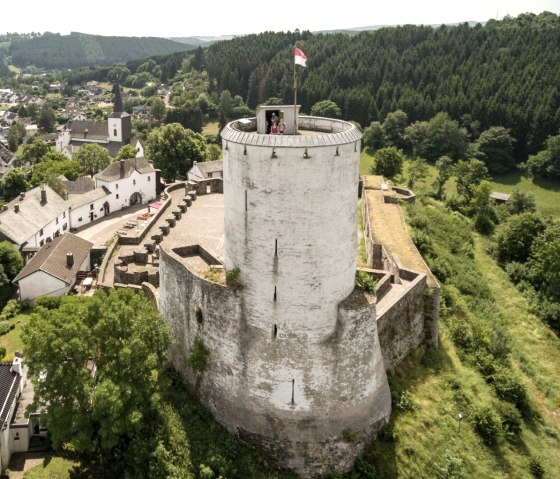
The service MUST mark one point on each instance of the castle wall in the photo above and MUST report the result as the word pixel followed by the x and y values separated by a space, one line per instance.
pixel 338 384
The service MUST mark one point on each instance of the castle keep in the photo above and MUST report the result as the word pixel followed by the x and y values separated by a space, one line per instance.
pixel 297 354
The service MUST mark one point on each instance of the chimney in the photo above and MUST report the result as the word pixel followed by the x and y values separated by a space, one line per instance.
pixel 17 366
pixel 5 208
pixel 122 168
pixel 16 208
pixel 69 260
pixel 43 196
pixel 22 195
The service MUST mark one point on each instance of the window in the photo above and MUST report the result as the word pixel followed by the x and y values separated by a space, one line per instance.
pixel 91 206
pixel 80 218
pixel 117 196
pixel 64 214
pixel 64 226
pixel 41 232
pixel 149 178
pixel 116 186
pixel 57 220
pixel 134 182
pixel 115 132
pixel 41 243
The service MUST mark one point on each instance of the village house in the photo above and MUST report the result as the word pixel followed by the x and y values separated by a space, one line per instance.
pixel 53 271
pixel 206 169
pixel 6 162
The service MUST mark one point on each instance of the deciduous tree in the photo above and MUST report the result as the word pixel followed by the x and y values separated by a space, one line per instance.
pixel 388 162
pixel 326 108
pixel 92 158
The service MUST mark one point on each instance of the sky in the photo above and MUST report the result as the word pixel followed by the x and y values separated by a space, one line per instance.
pixel 185 18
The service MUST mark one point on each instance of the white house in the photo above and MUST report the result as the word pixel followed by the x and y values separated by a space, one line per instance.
pixel 53 271
pixel 130 182
pixel 89 206
pixel 19 433
pixel 34 218
pixel 206 169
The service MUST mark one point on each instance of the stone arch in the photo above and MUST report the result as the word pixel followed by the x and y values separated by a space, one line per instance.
pixel 135 198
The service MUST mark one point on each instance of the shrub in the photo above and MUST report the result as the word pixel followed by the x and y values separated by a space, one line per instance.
pixel 422 242
pixel 450 467
pixel 12 308
pixel 198 358
pixel 350 436
pixel 5 327
pixel 364 470
pixel 536 468
pixel 509 387
pixel 232 278
pixel 49 302
pixel 487 424
pixel 2 353
pixel 365 281
pixel 511 421
pixel 402 401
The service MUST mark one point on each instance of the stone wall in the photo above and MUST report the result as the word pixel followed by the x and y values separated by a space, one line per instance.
pixel 401 323
pixel 322 388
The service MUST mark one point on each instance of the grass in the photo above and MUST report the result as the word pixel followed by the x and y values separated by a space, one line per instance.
pixel 54 95
pixel 53 467
pixel 211 128
pixel 12 341
pixel 14 69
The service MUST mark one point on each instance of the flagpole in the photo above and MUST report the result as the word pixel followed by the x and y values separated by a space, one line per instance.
pixel 295 94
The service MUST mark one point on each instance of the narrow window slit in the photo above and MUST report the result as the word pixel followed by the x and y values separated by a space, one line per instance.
pixel 276 247
pixel 274 331
pixel 245 200
pixel 274 293
pixel 293 387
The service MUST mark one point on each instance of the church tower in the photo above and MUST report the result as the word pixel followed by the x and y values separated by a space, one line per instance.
pixel 119 122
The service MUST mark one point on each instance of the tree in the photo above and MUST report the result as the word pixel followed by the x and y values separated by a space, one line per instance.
pixel 481 208
pixel 158 107
pixel 95 367
pixel 173 148
pixel 15 136
pixel 520 202
pixel 394 126
pixel 326 108
pixel 416 135
pixel 374 136
pixel 388 162
pixel 31 153
pixel 47 119
pixel 469 175
pixel 546 163
pixel 444 137
pixel 188 115
pixel 11 263
pixel 15 182
pixel 92 158
pixel 126 152
pixel 514 237
pixel 417 171
pixel 495 147
pixel 68 168
pixel 444 166
pixel 214 152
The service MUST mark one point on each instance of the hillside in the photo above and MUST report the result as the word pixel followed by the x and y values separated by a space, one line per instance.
pixel 52 50
pixel 501 73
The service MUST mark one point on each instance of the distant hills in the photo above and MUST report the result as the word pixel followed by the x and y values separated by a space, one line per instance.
pixel 354 30
pixel 54 51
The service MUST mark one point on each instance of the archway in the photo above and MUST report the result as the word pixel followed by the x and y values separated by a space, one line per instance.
pixel 135 199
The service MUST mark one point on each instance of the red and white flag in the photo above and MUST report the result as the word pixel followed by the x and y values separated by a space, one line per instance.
pixel 300 58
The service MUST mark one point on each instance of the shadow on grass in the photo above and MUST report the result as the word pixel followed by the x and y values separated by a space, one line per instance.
pixel 511 179
pixel 547 184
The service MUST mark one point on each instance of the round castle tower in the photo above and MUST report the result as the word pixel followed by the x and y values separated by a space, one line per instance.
pixel 295 362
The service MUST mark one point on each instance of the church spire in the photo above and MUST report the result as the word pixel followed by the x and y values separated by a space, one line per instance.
pixel 118 106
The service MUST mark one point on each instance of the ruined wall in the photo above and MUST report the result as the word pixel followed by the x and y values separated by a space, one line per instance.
pixel 339 384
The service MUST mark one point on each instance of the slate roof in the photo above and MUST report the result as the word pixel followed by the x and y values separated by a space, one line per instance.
pixel 51 258
pixel 9 386
pixel 89 130
pixel 32 216
pixel 89 197
pixel 112 147
pixel 82 185
pixel 5 155
pixel 114 172
pixel 207 167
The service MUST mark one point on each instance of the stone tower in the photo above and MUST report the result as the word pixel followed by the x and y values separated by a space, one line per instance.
pixel 295 361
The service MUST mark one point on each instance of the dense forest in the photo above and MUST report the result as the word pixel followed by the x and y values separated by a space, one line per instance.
pixel 503 73
pixel 53 50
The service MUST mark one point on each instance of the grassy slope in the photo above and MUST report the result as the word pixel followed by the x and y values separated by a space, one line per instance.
pixel 12 341
pixel 53 467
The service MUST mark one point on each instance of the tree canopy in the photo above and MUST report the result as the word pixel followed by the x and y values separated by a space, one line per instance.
pixel 173 148
pixel 11 263
pixel 388 162
pixel 92 158
pixel 96 367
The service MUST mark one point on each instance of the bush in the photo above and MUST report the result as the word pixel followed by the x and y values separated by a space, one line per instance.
pixel 365 281
pixel 12 309
pixel 450 467
pixel 508 386
pixel 487 424
pixel 5 327
pixel 350 436
pixel 198 358
pixel 232 278
pixel 422 242
pixel 511 421
pixel 2 353
pixel 536 468
pixel 402 401
pixel 49 302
